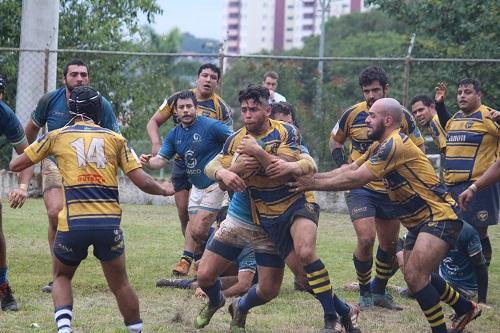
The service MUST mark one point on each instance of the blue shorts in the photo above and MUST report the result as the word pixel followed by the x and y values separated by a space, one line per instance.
pixel 363 202
pixel 483 210
pixel 278 228
pixel 446 230
pixel 234 237
pixel 71 247
pixel 180 178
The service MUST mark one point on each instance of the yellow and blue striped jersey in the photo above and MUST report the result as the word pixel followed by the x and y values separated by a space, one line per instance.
pixel 438 134
pixel 269 197
pixel 472 145
pixel 213 107
pixel 88 157
pixel 352 126
pixel 411 181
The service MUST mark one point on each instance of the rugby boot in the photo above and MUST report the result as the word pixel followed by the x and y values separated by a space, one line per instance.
pixel 182 268
pixel 458 323
pixel 386 301
pixel 332 325
pixel 175 283
pixel 207 312
pixel 350 320
pixel 7 300
pixel 47 288
pixel 366 302
pixel 238 318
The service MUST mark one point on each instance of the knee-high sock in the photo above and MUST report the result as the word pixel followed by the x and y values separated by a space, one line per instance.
pixel 428 299
pixel 384 271
pixel 214 293
pixel 341 307
pixel 63 316
pixel 364 273
pixel 449 295
pixel 487 251
pixel 319 281
pixel 250 300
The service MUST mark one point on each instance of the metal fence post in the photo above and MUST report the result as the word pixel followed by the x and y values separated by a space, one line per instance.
pixel 46 71
pixel 406 82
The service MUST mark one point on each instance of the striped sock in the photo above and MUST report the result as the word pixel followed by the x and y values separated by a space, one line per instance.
pixel 135 327
pixel 188 256
pixel 428 299
pixel 319 281
pixel 250 300
pixel 449 295
pixel 63 316
pixel 364 273
pixel 384 271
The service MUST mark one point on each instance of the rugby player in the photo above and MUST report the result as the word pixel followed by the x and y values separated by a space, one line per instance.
pixel 209 105
pixel 52 110
pixel 88 157
pixel 371 211
pixel 13 131
pixel 423 206
pixel 196 141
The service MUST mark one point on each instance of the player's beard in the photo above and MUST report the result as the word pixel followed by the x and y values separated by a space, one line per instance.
pixel 377 131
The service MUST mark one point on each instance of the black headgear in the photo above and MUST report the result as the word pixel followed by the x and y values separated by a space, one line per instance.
pixel 86 101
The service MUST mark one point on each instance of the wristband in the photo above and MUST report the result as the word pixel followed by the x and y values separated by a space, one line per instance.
pixel 473 188
pixel 23 187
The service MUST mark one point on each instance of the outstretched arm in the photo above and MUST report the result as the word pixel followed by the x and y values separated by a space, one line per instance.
pixel 147 184
pixel 153 128
pixel 342 181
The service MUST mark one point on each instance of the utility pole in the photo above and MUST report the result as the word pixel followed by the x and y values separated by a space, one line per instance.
pixel 324 8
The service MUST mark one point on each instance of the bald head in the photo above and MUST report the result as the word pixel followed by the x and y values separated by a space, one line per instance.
pixel 388 107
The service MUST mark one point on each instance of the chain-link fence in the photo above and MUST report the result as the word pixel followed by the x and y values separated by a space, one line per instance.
pixel 137 83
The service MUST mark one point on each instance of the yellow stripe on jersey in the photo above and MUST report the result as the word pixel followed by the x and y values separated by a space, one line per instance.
pixel 88 157
pixel 438 134
pixel 352 126
pixel 410 180
pixel 472 145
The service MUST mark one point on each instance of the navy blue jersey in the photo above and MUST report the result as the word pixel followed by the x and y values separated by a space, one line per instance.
pixel 197 145
pixel 10 125
pixel 52 109
pixel 457 267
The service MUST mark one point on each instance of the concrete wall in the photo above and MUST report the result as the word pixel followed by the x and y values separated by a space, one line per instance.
pixel 129 193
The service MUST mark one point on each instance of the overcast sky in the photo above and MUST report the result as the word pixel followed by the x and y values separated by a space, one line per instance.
pixel 202 18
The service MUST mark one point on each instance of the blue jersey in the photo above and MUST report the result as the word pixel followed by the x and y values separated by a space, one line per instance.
pixel 197 145
pixel 456 267
pixel 240 207
pixel 10 125
pixel 52 109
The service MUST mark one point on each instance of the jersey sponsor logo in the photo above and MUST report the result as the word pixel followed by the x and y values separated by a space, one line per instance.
pixel 456 138
pixel 191 161
pixel 91 178
pixel 359 210
pixel 482 215
pixel 196 137
pixel 469 124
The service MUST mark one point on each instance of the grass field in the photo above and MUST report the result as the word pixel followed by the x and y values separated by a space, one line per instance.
pixel 153 244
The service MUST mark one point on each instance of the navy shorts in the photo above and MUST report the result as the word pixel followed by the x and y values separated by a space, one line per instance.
pixel 363 202
pixel 180 178
pixel 71 247
pixel 448 231
pixel 483 210
pixel 278 228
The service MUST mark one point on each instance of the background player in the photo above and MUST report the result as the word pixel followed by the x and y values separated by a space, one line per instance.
pixel 89 157
pixel 210 105
pixel 371 211
pixel 13 131
pixel 52 110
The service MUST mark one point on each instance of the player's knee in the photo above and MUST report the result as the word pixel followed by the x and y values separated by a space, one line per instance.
pixel 413 279
pixel 205 276
pixel 269 291
pixel 366 243
pixel 52 213
pixel 306 254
